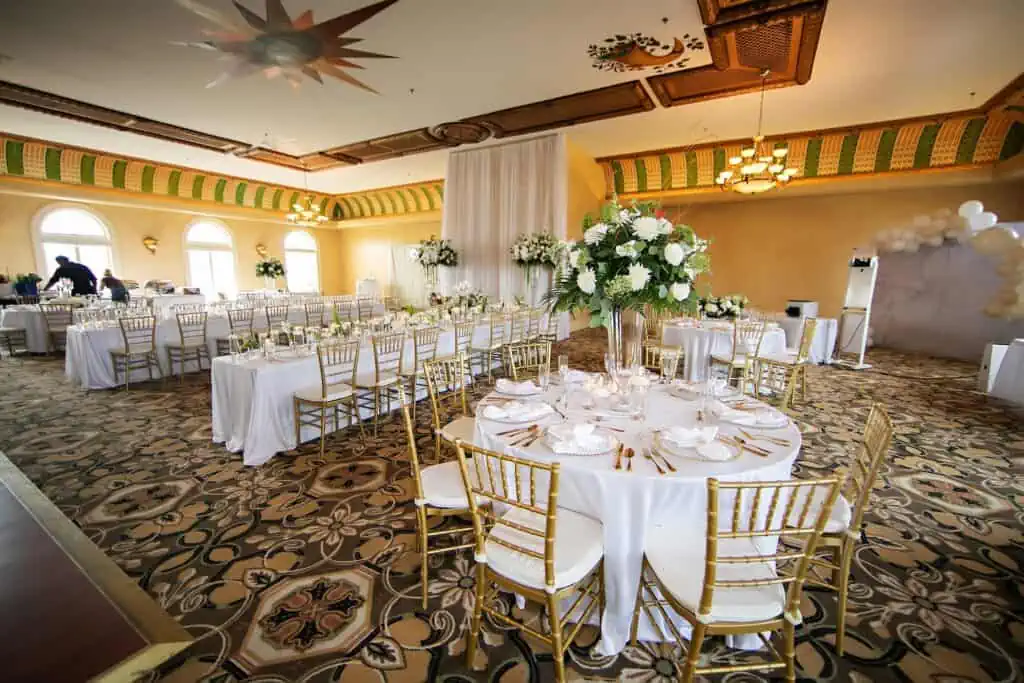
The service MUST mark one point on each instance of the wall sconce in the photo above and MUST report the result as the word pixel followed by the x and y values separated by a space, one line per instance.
pixel 150 243
pixel 261 250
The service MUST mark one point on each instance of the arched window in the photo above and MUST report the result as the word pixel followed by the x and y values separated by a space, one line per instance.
pixel 211 259
pixel 78 234
pixel 300 262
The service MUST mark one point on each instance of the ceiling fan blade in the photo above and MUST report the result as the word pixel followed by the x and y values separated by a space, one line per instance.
pixel 339 25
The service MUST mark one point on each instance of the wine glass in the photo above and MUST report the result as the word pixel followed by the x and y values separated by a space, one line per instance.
pixel 544 377
pixel 669 365
pixel 563 368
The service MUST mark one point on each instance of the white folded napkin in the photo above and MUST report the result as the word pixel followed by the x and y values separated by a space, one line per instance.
pixel 575 377
pixel 516 411
pixel 760 418
pixel 716 450
pixel 686 437
pixel 577 439
pixel 507 386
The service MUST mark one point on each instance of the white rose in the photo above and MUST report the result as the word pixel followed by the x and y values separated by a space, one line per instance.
pixel 624 215
pixel 574 258
pixel 711 307
pixel 664 226
pixel 646 228
pixel 628 249
pixel 595 234
pixel 680 290
pixel 587 281
pixel 638 276
pixel 674 253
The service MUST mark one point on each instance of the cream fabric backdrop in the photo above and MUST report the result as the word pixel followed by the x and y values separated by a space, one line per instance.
pixel 406 277
pixel 492 195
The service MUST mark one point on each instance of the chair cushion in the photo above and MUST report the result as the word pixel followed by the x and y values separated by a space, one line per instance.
pixel 838 519
pixel 192 344
pixel 463 428
pixel 443 487
pixel 578 548
pixel 785 358
pixel 335 392
pixel 368 379
pixel 676 554
pixel 739 361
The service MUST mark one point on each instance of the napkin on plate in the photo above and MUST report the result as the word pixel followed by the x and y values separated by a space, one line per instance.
pixel 577 438
pixel 516 411
pixel 715 450
pixel 750 418
pixel 507 386
pixel 687 437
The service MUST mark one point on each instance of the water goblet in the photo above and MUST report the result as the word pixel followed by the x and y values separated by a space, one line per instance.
pixel 669 365
pixel 544 377
pixel 563 368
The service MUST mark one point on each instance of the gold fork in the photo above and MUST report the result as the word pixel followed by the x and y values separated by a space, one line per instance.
pixel 764 437
pixel 647 454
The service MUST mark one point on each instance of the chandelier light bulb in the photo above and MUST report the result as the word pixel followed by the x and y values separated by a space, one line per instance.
pixel 735 161
pixel 747 152
pixel 780 152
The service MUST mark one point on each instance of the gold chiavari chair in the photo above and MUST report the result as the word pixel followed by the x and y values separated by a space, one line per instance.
pixel 446 387
pixel 277 315
pixel 549 333
pixel 439 493
pixel 464 337
pixel 535 318
pixel 57 318
pixel 338 361
pixel 138 332
pixel 345 311
pixel 653 341
pixel 843 529
pixel 746 345
pixel 314 313
pixel 191 344
pixel 746 587
pixel 364 308
pixel 525 360
pixel 392 304
pixel 520 325
pixel 241 323
pixel 374 388
pixel 489 350
pixel 13 337
pixel 424 348
pixel 780 373
pixel 535 549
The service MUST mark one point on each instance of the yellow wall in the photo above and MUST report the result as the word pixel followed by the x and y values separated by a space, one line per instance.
pixel 130 219
pixel 586 189
pixel 365 246
pixel 783 248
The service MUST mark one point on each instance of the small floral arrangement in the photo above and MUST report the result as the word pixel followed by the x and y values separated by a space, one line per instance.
pixel 465 296
pixel 725 307
pixel 434 252
pixel 633 257
pixel 538 249
pixel 270 267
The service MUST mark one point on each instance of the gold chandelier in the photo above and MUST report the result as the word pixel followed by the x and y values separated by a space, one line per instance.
pixel 759 167
pixel 306 213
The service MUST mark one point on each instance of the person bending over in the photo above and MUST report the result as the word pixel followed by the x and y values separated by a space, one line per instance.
pixel 82 280
pixel 118 292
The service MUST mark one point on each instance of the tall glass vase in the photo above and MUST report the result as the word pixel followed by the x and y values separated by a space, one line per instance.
pixel 268 283
pixel 430 277
pixel 625 337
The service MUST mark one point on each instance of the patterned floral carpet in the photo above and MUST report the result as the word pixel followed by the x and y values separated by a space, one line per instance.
pixel 302 570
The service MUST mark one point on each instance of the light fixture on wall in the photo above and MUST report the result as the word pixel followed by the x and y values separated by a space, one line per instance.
pixel 305 213
pixel 150 243
pixel 759 167
pixel 261 250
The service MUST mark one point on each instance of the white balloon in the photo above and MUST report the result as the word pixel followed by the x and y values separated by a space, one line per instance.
pixel 971 208
pixel 983 220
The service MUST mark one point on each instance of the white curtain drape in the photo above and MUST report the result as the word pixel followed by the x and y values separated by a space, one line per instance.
pixel 494 194
pixel 407 280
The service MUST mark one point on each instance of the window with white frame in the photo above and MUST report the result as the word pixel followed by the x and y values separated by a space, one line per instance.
pixel 78 234
pixel 301 265
pixel 211 259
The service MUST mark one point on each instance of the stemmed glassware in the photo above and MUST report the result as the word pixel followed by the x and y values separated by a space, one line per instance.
pixel 669 365
pixel 544 377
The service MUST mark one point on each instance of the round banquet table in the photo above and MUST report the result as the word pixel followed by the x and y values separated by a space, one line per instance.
pixel 713 337
pixel 626 503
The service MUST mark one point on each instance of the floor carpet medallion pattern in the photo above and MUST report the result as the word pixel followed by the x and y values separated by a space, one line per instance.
pixel 303 570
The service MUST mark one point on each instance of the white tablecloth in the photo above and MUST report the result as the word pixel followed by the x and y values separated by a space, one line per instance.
pixel 699 342
pixel 30 318
pixel 163 303
pixel 252 400
pixel 1009 384
pixel 626 502
pixel 824 342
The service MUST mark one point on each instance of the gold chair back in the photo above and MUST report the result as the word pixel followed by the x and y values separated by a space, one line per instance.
pixel 338 361
pixel 57 316
pixel 240 320
pixel 187 308
pixel 410 435
pixel 364 308
pixel 536 317
pixel 392 303
pixel 803 352
pixel 525 360
pixel 192 328
pixel 496 325
pixel 551 327
pixel 276 315
pixel 344 310
pixel 446 386
pixel 138 333
pixel 654 322
pixel 514 483
pixel 314 313
pixel 424 345
pixel 746 338
pixel 520 327
pixel 464 336
pixel 766 511
pixel 866 463
pixel 388 350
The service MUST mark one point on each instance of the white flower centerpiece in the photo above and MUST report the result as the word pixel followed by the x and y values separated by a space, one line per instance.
pixel 432 253
pixel 723 307
pixel 269 269
pixel 631 260
pixel 536 251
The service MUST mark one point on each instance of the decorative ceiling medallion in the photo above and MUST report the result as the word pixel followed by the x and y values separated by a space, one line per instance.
pixel 460 133
pixel 280 46
pixel 639 52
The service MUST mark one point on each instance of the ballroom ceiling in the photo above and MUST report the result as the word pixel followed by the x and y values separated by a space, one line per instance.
pixel 460 70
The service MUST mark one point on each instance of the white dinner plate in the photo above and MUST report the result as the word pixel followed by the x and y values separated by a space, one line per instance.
pixel 516 421
pixel 613 443
pixel 664 446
